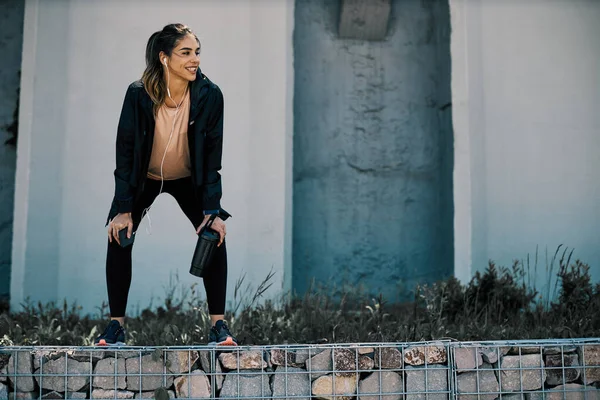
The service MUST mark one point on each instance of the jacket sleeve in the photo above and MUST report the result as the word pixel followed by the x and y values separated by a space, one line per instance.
pixel 124 154
pixel 213 150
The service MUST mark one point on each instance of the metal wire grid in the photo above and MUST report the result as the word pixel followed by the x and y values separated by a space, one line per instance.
pixel 536 369
pixel 343 371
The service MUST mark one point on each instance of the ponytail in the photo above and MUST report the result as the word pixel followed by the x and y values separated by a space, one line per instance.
pixel 152 78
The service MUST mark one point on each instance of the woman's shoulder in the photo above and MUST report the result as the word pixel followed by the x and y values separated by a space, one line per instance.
pixel 135 86
pixel 135 91
pixel 213 88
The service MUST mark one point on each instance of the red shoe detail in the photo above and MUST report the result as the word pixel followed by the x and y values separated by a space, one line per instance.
pixel 228 342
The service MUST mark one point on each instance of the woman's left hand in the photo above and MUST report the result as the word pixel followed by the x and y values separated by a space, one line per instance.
pixel 218 225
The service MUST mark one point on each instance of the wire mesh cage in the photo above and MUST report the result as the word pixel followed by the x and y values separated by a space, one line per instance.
pixel 548 369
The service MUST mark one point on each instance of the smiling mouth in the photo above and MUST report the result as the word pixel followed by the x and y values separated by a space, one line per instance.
pixel 192 69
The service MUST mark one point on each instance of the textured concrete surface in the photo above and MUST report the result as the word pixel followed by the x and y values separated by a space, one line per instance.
pixel 11 41
pixel 366 20
pixel 372 151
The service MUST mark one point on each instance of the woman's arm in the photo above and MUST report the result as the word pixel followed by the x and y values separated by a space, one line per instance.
pixel 124 153
pixel 213 150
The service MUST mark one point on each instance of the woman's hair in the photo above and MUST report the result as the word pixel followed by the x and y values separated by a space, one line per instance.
pixel 165 40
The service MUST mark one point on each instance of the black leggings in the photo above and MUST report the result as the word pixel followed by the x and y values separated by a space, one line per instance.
pixel 118 259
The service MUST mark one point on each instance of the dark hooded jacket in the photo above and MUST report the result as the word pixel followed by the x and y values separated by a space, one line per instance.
pixel 135 136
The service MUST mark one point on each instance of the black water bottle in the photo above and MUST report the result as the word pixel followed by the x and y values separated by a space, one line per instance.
pixel 206 246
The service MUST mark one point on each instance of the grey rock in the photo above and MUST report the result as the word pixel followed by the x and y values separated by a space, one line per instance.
pixel 432 379
pixel 559 350
pixel 245 385
pixel 86 356
pixel 298 383
pixel 573 391
pixel 4 372
pixel 180 361
pixel 361 349
pixel 329 387
pixel 217 378
pixel 514 396
pixel 283 357
pixel 520 350
pixel 208 360
pixel 70 395
pixel 388 358
pixel 504 350
pixel 111 394
pixel 3 391
pixel 24 365
pixel 244 360
pixel 194 385
pixel 78 375
pixel 301 356
pixel 486 379
pixel 467 358
pixel 391 386
pixel 490 355
pixel 212 368
pixel 150 395
pixel 152 374
pixel 319 365
pixel 535 396
pixel 129 353
pixel 365 363
pixel 589 355
pixel 530 376
pixel 556 368
pixel 349 360
pixel 43 356
pixel 104 374
pixel 419 355
pixel 22 395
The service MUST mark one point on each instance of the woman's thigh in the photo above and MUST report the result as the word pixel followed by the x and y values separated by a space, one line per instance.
pixel 183 192
pixel 140 207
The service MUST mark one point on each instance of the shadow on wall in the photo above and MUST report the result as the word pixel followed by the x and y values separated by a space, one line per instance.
pixel 373 159
pixel 13 128
pixel 7 190
pixel 11 44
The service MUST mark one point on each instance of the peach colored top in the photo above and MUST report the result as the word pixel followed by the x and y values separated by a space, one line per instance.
pixel 176 163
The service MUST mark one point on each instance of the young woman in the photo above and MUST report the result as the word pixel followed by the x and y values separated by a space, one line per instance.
pixel 169 139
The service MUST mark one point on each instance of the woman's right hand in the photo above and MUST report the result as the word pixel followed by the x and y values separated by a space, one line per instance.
pixel 121 221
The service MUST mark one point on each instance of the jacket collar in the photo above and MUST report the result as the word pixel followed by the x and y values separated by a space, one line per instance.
pixel 198 90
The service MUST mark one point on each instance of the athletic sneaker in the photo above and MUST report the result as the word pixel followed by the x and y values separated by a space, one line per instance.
pixel 113 335
pixel 220 336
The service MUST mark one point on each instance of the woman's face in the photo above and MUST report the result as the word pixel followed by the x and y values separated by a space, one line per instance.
pixel 185 58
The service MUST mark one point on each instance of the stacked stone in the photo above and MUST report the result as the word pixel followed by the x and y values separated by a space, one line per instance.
pixel 98 374
pixel 527 372
pixel 342 372
pixel 390 372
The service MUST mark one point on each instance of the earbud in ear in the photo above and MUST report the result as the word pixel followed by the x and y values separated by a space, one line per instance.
pixel 165 61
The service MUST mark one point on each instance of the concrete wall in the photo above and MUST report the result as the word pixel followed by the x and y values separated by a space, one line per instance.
pixel 83 55
pixel 526 95
pixel 11 41
pixel 372 151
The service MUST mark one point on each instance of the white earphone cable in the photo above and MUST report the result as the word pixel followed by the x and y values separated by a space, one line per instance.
pixel 146 211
